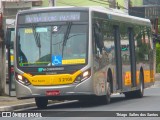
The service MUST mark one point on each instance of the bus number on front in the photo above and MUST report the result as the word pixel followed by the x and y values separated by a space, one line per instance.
pixel 55 28
pixel 64 80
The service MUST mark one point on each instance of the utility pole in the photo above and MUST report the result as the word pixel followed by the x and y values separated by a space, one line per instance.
pixel 129 5
pixel 112 3
pixel 53 2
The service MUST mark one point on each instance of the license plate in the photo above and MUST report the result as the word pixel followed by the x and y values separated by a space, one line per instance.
pixel 53 93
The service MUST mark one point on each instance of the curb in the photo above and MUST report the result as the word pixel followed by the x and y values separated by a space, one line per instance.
pixel 18 106
pixel 22 105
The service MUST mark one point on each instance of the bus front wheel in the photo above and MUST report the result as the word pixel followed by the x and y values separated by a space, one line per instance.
pixel 41 102
pixel 107 98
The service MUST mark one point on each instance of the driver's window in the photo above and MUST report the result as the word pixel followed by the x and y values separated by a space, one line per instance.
pixel 98 37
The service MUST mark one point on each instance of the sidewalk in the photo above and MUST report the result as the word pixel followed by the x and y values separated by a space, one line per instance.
pixel 8 103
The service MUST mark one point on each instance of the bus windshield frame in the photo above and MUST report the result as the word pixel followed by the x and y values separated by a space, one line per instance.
pixel 35 41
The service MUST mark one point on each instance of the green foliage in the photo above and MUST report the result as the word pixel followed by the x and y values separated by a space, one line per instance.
pixel 81 3
pixel 159 29
pixel 158 68
pixel 158 58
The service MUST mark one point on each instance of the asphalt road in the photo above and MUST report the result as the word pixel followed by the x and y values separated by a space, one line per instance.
pixel 119 107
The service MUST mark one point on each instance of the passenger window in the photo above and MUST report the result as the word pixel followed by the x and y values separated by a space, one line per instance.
pixel 98 36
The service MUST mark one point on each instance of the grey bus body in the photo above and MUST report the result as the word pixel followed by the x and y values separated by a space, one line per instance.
pixel 118 54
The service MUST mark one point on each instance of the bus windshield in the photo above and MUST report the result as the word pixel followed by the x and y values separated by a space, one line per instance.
pixel 56 45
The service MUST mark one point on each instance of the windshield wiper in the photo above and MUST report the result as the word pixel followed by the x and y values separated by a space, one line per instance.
pixel 66 36
pixel 37 39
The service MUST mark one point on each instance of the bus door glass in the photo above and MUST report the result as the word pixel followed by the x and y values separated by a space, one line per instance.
pixel 10 61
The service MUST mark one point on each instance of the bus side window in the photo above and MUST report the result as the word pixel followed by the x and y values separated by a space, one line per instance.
pixel 98 36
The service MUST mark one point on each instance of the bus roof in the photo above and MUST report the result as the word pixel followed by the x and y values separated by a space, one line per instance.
pixel 113 13
pixel 121 16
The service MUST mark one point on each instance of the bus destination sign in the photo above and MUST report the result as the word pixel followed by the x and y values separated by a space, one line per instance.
pixel 52 16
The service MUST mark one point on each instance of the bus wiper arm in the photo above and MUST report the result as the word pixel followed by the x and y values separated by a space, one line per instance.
pixel 66 36
pixel 67 33
pixel 37 39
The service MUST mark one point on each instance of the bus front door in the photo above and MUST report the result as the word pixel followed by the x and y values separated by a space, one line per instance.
pixel 10 61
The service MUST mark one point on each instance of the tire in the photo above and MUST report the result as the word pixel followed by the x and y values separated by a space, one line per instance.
pixel 108 94
pixel 107 98
pixel 41 102
pixel 139 93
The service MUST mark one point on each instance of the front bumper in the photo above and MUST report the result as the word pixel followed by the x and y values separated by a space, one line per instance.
pixel 73 90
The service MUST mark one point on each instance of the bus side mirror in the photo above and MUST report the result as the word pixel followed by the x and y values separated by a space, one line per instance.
pixel 1 33
pixel 99 41
pixel 8 38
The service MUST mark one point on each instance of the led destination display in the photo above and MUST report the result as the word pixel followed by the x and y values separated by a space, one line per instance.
pixel 50 17
pixel 53 16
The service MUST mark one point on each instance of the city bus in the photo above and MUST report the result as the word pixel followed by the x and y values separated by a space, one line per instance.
pixel 81 53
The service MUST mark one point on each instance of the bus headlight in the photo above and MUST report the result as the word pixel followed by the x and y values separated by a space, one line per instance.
pixel 83 76
pixel 22 79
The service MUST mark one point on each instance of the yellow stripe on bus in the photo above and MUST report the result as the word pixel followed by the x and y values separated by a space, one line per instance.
pixel 147 77
pixel 73 61
pixel 60 79
pixel 127 80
